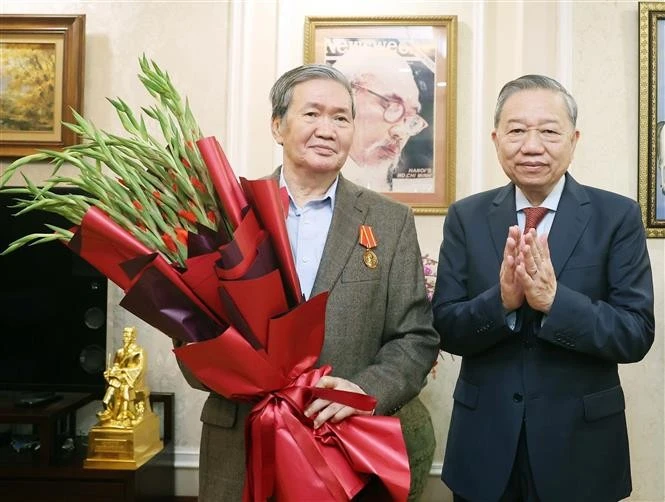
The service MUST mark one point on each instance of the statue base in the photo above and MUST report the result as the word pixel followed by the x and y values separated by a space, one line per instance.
pixel 124 448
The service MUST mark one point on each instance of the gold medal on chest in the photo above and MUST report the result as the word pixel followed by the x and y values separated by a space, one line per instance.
pixel 370 259
pixel 368 241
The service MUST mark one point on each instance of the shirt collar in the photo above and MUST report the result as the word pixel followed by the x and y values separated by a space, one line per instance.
pixel 551 202
pixel 330 193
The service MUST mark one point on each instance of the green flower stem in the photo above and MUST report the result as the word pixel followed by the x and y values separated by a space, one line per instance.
pixel 157 173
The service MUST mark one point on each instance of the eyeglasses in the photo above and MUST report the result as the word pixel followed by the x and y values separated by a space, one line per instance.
pixel 394 111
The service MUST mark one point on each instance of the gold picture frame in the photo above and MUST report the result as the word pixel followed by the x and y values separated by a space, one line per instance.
pixel 410 156
pixel 651 178
pixel 42 59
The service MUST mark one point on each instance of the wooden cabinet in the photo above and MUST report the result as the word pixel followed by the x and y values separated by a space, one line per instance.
pixel 53 474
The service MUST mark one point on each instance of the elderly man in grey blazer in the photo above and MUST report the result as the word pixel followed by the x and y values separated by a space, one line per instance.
pixel 362 248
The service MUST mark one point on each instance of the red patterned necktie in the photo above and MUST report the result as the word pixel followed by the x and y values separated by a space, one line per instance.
pixel 533 216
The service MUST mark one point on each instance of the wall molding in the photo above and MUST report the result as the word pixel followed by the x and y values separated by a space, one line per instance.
pixel 186 458
pixel 478 100
pixel 240 60
pixel 565 44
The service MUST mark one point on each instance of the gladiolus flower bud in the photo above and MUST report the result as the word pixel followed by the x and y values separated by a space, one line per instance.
pixel 168 242
pixel 181 235
pixel 188 215
pixel 198 185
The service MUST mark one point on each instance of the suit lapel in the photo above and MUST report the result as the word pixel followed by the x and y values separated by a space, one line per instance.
pixel 502 215
pixel 572 216
pixel 348 215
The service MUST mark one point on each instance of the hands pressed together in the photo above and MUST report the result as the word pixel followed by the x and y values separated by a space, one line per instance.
pixel 323 410
pixel 527 272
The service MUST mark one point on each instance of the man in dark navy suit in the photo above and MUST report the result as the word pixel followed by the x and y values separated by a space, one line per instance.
pixel 542 316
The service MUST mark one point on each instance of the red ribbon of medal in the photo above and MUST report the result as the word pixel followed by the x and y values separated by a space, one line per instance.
pixel 368 241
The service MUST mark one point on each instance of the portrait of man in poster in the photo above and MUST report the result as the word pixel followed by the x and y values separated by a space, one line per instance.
pixel 393 85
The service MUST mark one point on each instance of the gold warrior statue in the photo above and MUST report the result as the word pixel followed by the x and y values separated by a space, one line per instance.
pixel 127 435
pixel 126 398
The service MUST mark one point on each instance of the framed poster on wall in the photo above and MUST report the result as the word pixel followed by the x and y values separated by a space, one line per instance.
pixel 651 178
pixel 403 74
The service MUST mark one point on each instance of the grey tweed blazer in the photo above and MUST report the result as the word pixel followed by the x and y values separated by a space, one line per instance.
pixel 379 331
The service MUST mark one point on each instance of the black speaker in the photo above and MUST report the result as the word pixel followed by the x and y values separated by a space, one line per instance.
pixel 53 319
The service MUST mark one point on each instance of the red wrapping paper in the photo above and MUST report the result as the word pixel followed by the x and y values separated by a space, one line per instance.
pixel 254 338
pixel 260 300
pixel 161 299
pixel 223 179
pixel 106 245
pixel 200 276
pixel 265 197
pixel 336 459
pixel 230 261
pixel 241 252
pixel 283 449
pixel 230 366
pixel 125 261
pixel 121 257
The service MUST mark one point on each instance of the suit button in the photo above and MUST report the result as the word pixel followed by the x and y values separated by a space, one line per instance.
pixel 517 397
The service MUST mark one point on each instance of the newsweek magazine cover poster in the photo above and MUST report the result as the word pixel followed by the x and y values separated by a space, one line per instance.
pixel 413 169
pixel 403 74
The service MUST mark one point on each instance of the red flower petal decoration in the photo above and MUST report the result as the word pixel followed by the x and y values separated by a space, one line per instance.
pixel 181 234
pixel 168 242
pixel 197 184
pixel 188 215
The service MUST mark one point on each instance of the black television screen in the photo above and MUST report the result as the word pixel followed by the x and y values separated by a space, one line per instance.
pixel 53 309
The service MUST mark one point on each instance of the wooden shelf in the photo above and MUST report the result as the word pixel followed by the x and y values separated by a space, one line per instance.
pixel 45 418
pixel 28 477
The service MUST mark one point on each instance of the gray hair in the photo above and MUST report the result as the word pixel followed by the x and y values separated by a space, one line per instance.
pixel 535 82
pixel 282 90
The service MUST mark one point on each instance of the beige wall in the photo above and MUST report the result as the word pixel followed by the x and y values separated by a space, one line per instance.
pixel 225 56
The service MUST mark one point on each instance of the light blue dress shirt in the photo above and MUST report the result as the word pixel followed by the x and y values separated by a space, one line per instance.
pixel 308 227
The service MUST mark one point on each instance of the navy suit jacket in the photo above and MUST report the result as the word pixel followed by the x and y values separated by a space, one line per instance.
pixel 556 376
